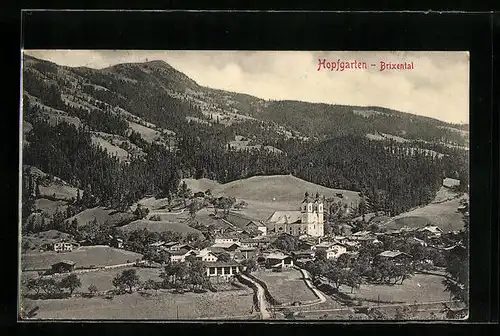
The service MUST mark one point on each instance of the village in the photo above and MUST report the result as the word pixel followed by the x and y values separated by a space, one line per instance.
pixel 296 264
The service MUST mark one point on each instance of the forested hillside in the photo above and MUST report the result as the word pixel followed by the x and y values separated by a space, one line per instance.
pixel 183 130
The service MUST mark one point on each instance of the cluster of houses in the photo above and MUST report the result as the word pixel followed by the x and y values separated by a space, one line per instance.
pixel 244 238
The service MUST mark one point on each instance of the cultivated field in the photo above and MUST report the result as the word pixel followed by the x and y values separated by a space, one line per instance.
pixel 287 286
pixel 157 306
pixel 420 288
pixel 444 215
pixel 84 256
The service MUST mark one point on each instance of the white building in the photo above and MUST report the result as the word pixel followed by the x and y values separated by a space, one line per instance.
pixel 63 247
pixel 333 250
pixel 308 220
pixel 206 255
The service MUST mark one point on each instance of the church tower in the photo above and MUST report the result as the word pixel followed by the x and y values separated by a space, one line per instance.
pixel 306 210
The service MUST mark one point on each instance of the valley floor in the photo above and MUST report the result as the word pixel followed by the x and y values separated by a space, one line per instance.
pixel 160 306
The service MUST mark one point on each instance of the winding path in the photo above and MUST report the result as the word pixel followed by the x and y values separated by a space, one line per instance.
pixel 308 281
pixel 260 297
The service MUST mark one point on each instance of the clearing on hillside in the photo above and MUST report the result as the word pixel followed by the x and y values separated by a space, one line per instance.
pixel 445 215
pixel 35 241
pixel 159 226
pixel 102 215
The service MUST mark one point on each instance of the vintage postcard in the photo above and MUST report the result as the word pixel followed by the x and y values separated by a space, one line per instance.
pixel 238 185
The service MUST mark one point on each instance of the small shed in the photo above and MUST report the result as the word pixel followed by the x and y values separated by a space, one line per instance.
pixel 63 266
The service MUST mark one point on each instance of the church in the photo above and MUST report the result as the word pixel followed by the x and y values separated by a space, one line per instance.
pixel 306 221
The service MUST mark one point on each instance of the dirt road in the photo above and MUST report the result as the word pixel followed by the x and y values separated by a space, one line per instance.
pixel 261 298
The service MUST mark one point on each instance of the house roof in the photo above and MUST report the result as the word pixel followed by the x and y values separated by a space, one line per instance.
pixel 181 252
pixel 247 249
pixel 277 256
pixel 450 182
pixel 240 220
pixel 431 228
pixel 224 245
pixel 393 254
pixel 221 263
pixel 282 217
pixel 361 233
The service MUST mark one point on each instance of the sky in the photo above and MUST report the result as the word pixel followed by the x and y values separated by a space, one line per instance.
pixel 437 86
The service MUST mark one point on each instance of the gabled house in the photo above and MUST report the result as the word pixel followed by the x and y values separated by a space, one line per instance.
pixel 63 266
pixel 229 247
pixel 227 239
pixel 278 260
pixel 181 255
pixel 248 252
pixel 116 242
pixel 431 231
pixel 222 269
pixel 333 249
pixel 396 256
pixel 207 256
pixel 180 246
pixel 246 223
pixel 63 246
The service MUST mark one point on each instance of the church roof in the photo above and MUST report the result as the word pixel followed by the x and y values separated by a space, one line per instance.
pixel 281 217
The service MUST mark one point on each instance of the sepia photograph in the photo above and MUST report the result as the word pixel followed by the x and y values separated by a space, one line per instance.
pixel 184 185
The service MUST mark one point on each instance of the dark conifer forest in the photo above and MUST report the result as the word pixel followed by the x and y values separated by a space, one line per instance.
pixel 323 144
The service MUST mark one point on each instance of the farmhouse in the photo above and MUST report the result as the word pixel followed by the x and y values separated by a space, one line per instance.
pixel 178 247
pixel 207 256
pixel 180 255
pixel 451 183
pixel 333 250
pixel 227 239
pixel 229 247
pixel 63 247
pixel 431 231
pixel 274 260
pixel 246 223
pixel 222 269
pixel 116 242
pixel 396 256
pixel 248 252
pixel 308 220
pixel 63 266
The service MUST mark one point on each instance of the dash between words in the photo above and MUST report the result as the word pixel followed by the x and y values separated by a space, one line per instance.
pixel 355 65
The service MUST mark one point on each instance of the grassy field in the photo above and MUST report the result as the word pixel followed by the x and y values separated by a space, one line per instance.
pixel 157 306
pixel 49 207
pixel 287 286
pixel 148 134
pixel 84 256
pixel 102 215
pixel 102 279
pixel 120 153
pixel 444 215
pixel 267 194
pixel 159 226
pixel 420 288
pixel 201 184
